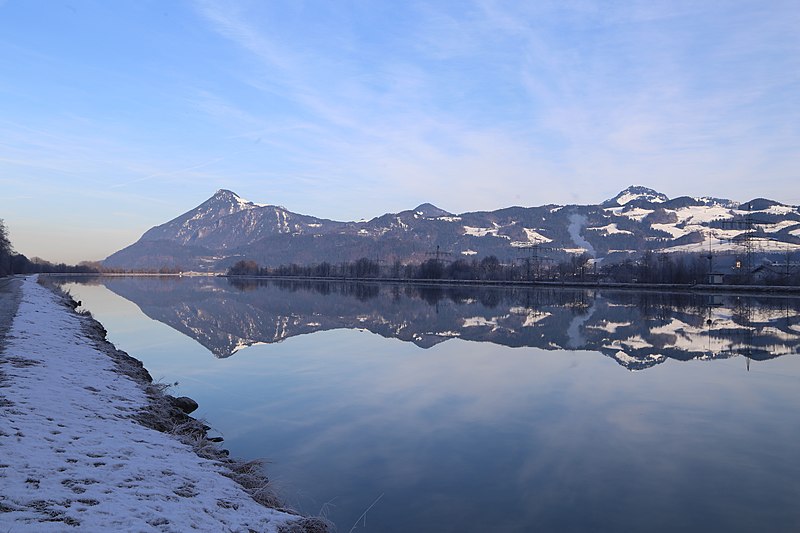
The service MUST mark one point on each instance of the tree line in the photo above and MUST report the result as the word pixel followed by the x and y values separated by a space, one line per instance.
pixel 682 269
pixel 488 268
pixel 12 262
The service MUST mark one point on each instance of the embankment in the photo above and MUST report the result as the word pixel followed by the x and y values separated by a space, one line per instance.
pixel 88 441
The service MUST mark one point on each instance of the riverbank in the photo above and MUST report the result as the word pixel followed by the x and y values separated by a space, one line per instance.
pixel 88 441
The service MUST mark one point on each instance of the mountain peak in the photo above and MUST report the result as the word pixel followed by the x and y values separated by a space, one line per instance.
pixel 225 193
pixel 431 211
pixel 229 198
pixel 637 193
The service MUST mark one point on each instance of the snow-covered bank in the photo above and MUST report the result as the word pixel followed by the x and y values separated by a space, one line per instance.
pixel 73 450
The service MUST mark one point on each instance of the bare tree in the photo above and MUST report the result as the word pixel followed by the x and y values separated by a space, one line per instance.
pixel 6 250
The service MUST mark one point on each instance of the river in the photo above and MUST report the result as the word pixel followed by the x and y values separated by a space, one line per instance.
pixel 410 408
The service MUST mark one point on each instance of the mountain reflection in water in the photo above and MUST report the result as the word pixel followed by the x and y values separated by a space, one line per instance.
pixel 637 329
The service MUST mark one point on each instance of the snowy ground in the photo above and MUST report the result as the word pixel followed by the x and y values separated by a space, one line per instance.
pixel 72 455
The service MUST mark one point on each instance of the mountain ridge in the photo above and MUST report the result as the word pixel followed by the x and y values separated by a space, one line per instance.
pixel 226 228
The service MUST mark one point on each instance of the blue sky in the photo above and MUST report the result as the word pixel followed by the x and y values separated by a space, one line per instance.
pixel 117 116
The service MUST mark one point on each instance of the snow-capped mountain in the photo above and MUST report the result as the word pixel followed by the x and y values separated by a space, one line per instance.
pixel 636 193
pixel 227 228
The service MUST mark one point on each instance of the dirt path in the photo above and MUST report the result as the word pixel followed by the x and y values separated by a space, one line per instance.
pixel 9 302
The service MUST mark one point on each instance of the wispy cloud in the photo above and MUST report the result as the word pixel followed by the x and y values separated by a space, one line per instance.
pixel 375 120
pixel 659 91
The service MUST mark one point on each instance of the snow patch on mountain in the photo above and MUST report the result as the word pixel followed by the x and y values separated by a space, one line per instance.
pixel 780 226
pixel 483 232
pixel 636 213
pixel 673 230
pixel 710 200
pixel 703 214
pixel 535 237
pixel 779 209
pixel 611 229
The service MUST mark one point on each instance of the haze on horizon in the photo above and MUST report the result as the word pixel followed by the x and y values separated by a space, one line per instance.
pixel 117 116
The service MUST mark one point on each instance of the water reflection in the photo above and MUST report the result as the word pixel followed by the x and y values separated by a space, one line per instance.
pixel 637 329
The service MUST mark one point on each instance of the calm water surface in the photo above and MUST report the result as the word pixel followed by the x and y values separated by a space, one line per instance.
pixel 485 409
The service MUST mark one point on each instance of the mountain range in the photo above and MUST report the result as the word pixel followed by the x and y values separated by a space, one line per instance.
pixel 227 228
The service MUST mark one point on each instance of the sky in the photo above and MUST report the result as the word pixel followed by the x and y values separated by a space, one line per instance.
pixel 119 116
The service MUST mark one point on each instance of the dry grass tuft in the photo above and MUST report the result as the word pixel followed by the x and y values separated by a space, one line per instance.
pixel 308 525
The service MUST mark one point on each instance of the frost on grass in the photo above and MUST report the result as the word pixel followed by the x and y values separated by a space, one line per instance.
pixel 89 443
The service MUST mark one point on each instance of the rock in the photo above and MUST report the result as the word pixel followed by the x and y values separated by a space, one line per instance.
pixel 185 404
